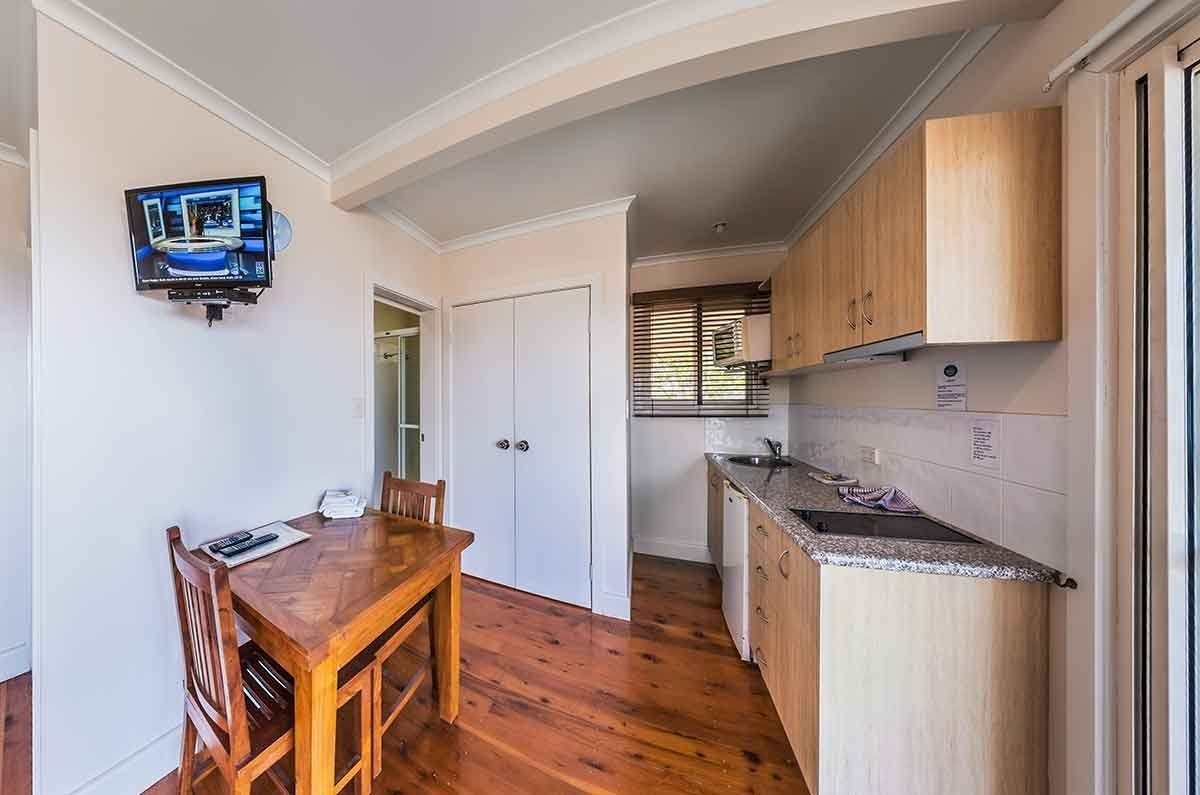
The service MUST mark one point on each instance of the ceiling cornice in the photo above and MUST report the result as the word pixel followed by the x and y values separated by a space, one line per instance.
pixel 9 154
pixel 612 35
pixel 777 247
pixel 538 224
pixel 948 68
pixel 123 45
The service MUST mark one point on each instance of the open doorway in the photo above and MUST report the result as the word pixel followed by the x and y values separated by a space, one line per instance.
pixel 397 398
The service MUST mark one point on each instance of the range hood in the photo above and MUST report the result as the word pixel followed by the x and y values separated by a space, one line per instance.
pixel 890 350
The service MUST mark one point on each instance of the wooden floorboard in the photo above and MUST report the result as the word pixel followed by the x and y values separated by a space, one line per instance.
pixel 558 700
pixel 16 736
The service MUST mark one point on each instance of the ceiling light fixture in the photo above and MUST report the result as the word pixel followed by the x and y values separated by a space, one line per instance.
pixel 719 228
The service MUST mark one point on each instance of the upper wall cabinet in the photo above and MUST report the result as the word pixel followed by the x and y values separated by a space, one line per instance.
pixel 955 235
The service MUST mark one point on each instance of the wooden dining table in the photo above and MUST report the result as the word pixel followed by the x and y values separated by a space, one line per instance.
pixel 315 605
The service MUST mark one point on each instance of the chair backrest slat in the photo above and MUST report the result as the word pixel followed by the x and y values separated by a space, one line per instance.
pixel 413 499
pixel 207 629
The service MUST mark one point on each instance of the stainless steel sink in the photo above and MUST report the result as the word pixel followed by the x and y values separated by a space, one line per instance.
pixel 764 461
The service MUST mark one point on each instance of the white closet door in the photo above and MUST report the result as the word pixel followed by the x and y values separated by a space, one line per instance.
pixel 480 488
pixel 553 484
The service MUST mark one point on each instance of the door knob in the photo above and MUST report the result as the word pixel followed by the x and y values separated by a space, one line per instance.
pixel 522 445
pixel 503 444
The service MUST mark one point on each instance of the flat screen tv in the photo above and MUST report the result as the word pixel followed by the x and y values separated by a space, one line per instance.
pixel 201 234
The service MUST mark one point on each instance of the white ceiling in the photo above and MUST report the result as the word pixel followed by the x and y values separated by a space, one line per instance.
pixel 756 150
pixel 331 75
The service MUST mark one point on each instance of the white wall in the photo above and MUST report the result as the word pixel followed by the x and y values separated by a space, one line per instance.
pixel 592 251
pixel 147 418
pixel 667 467
pixel 14 422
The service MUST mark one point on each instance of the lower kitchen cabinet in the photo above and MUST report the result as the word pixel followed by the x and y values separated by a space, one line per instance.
pixel 894 682
pixel 716 515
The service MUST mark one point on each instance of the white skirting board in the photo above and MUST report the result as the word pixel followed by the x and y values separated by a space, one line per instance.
pixel 670 548
pixel 138 771
pixel 15 661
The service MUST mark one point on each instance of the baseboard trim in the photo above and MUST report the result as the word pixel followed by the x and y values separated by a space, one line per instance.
pixel 141 769
pixel 15 661
pixel 611 605
pixel 669 548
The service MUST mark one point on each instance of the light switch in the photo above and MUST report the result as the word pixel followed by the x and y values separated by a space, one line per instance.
pixel 870 455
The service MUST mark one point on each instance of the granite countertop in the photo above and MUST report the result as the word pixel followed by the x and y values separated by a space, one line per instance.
pixel 777 490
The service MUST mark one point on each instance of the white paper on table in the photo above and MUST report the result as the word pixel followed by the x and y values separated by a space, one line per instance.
pixel 288 536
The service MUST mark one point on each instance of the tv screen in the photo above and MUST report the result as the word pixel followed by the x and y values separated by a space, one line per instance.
pixel 201 234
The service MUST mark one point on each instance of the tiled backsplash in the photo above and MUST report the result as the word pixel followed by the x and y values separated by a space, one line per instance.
pixel 1021 505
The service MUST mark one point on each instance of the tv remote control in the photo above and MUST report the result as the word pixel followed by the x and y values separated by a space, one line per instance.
pixel 229 541
pixel 246 546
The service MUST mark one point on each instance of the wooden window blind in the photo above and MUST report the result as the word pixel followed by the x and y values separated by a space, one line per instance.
pixel 674 372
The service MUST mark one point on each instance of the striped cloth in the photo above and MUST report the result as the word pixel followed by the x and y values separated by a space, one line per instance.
pixel 888 498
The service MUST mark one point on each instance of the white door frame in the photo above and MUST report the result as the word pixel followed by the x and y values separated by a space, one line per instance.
pixel 428 308
pixel 594 281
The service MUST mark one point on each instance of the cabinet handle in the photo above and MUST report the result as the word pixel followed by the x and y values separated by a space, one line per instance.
pixel 522 445
pixel 761 572
pixel 779 563
pixel 868 317
pixel 850 314
pixel 503 444
pixel 762 531
pixel 759 612
pixel 788 347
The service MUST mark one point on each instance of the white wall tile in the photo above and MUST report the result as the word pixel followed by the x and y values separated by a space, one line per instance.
pixel 976 503
pixel 1035 523
pixel 923 481
pixel 1035 451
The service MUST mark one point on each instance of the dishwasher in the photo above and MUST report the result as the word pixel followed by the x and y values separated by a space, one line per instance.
pixel 735 584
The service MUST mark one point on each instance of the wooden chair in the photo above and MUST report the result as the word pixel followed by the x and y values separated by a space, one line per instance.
pixel 425 502
pixel 239 702
pixel 413 499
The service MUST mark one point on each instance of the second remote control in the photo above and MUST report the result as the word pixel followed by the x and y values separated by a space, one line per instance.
pixel 229 540
pixel 246 546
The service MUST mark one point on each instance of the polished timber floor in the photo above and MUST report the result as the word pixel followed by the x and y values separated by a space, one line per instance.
pixel 556 700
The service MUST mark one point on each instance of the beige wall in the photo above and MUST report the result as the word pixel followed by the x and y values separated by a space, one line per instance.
pixel 156 419
pixel 594 252
pixel 696 273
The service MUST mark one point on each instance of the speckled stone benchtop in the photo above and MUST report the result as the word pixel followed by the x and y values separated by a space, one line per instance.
pixel 777 490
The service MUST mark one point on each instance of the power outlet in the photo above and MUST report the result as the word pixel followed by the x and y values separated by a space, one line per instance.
pixel 869 455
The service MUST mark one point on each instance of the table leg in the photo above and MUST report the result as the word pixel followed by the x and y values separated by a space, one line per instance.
pixel 447 618
pixel 316 728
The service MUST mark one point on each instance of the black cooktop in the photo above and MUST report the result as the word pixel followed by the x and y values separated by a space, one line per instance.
pixel 882 525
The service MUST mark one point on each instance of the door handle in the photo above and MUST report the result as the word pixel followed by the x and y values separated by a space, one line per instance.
pixel 522 445
pixel 503 444
pixel 850 314
pixel 779 563
pixel 868 316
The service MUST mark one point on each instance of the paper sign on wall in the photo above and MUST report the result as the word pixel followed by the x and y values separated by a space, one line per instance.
pixel 952 387
pixel 985 444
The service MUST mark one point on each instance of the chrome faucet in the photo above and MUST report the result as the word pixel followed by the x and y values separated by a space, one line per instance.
pixel 776 448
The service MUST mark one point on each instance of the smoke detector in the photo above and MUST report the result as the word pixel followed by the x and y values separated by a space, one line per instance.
pixel 719 228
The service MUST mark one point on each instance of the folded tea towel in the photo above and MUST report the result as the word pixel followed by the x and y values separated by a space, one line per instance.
pixel 889 498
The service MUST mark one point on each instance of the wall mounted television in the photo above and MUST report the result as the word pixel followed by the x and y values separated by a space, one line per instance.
pixel 215 233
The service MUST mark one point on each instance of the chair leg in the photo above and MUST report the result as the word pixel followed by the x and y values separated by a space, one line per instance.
pixel 432 656
pixel 366 736
pixel 187 755
pixel 377 718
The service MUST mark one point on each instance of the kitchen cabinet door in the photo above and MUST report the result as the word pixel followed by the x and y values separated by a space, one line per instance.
pixel 893 243
pixel 716 517
pixel 840 273
pixel 781 316
pixel 809 299
pixel 799 653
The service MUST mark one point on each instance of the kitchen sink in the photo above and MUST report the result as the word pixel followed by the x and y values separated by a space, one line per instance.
pixel 764 461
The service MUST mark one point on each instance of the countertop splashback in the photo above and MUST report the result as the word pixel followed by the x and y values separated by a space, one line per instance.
pixel 778 490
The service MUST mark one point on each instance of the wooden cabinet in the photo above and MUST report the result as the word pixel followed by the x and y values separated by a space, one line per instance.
pixel 893 244
pixel 716 515
pixel 889 681
pixel 955 234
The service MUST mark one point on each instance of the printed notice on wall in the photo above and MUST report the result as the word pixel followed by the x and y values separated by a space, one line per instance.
pixel 985 443
pixel 952 388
